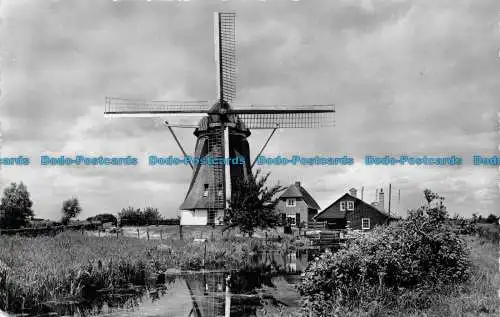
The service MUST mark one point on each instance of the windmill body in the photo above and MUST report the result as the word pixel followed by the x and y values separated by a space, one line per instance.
pixel 205 200
pixel 223 129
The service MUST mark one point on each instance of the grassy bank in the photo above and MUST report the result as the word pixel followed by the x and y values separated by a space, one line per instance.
pixel 74 266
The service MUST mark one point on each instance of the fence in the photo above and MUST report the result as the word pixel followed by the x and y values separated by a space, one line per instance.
pixel 316 225
pixel 328 239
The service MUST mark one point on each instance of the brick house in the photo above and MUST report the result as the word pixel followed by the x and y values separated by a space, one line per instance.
pixel 350 212
pixel 297 205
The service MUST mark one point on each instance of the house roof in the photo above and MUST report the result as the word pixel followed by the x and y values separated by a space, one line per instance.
pixel 337 214
pixel 297 191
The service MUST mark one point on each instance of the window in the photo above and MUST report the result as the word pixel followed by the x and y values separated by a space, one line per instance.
pixel 220 192
pixel 291 219
pixel 365 223
pixel 290 202
pixel 205 191
pixel 350 205
pixel 342 205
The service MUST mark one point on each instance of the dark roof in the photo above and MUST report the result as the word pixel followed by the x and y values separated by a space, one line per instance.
pixel 297 191
pixel 341 214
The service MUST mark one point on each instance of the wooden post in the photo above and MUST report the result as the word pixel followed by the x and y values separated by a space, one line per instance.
pixel 138 236
pixel 161 233
pixel 205 255
pixel 147 232
pixel 227 306
pixel 180 232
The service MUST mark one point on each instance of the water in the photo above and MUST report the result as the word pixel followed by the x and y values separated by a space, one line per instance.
pixel 272 279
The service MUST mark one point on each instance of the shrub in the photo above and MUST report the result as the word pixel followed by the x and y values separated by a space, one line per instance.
pixel 421 254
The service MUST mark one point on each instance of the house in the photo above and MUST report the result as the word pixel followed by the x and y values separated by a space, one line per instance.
pixel 350 212
pixel 297 205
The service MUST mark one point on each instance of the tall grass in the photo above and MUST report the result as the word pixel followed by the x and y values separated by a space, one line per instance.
pixel 71 265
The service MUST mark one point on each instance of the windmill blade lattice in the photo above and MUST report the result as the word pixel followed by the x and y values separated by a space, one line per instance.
pixel 227 55
pixel 269 117
pixel 121 106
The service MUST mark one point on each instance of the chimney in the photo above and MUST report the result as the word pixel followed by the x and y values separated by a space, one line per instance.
pixel 297 183
pixel 353 191
pixel 381 199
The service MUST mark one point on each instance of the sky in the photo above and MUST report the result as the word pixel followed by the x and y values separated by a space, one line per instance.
pixel 407 77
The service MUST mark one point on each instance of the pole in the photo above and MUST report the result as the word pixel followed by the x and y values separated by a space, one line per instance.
pixel 205 254
pixel 399 196
pixel 227 306
pixel 264 146
pixel 390 191
pixel 362 191
pixel 178 143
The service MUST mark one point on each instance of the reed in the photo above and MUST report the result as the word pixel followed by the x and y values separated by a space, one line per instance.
pixel 34 270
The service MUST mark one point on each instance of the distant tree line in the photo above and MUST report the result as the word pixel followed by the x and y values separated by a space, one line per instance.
pixel 131 216
pixel 479 218
pixel 16 212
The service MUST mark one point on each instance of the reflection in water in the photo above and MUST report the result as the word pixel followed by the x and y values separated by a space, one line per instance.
pixel 269 276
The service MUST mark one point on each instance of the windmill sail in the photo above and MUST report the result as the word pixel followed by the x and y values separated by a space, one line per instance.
pixel 268 117
pixel 225 55
pixel 120 107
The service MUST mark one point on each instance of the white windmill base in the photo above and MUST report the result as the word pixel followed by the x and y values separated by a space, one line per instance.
pixel 199 217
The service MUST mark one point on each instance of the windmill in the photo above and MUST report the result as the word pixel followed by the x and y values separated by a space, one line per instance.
pixel 223 129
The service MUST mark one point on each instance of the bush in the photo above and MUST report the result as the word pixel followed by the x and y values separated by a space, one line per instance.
pixel 421 254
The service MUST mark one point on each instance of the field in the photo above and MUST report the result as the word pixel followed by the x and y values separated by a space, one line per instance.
pixel 70 265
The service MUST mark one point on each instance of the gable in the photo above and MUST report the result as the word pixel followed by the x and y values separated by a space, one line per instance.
pixel 333 211
pixel 299 192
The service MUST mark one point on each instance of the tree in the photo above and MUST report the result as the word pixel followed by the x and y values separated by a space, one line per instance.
pixel 70 209
pixel 130 216
pixel 15 207
pixel 252 205
pixel 438 212
pixel 492 219
pixel 151 215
